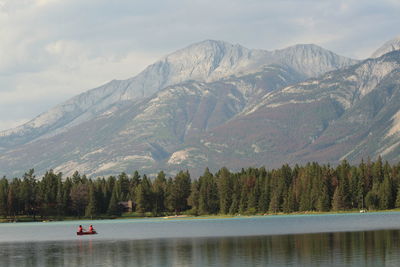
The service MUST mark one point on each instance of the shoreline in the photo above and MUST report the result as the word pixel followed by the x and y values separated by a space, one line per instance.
pixel 23 219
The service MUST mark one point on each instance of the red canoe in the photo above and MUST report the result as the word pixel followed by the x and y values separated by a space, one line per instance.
pixel 86 233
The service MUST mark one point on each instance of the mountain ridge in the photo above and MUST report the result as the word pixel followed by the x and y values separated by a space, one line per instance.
pixel 389 46
pixel 167 71
pixel 225 105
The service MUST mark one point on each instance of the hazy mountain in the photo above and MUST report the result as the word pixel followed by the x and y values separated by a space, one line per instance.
pixel 206 61
pixel 351 113
pixel 144 134
pixel 387 47
pixel 149 122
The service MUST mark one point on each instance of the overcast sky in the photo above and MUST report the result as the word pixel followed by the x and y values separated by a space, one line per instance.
pixel 51 50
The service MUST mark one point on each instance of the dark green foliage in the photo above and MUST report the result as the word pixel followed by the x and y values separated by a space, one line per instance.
pixel 225 190
pixel 113 207
pixel 12 201
pixel 178 191
pixel 144 196
pixel 193 199
pixel 158 198
pixel 313 187
pixel 91 208
pixel 79 198
pixel 3 197
pixel 208 194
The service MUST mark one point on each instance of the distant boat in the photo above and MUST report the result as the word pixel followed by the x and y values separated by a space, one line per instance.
pixel 87 233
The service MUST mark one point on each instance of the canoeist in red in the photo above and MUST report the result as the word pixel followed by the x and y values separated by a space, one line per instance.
pixel 80 229
pixel 91 229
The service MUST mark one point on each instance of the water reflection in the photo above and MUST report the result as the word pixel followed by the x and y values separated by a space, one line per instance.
pixel 373 248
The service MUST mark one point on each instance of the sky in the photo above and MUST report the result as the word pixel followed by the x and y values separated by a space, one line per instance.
pixel 52 50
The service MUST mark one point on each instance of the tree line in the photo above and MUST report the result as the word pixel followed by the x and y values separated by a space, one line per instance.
pixel 312 187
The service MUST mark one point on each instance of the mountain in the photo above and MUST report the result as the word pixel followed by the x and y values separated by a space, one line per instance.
pixel 351 113
pixel 149 121
pixel 387 47
pixel 206 61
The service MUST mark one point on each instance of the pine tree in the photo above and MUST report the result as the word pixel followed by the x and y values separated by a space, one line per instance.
pixel 289 202
pixel 60 199
pixel 323 201
pixel 79 197
pixel 27 192
pixel 338 200
pixel 179 192
pixel 12 205
pixel 234 208
pixel 385 194
pixel 398 197
pixel 143 196
pixel 91 208
pixel 377 171
pixel 159 187
pixel 225 190
pixel 193 199
pixel 263 203
pixel 113 207
pixel 3 196
pixel 372 199
pixel 208 194
pixel 254 194
pixel 124 186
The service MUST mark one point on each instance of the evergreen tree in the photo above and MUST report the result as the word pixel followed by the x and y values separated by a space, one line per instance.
pixel 338 202
pixel 143 196
pixel 385 194
pixel 28 192
pixel 169 195
pixel 12 201
pixel 124 186
pixel 377 171
pixel 159 187
pixel 254 194
pixel 234 208
pixel 3 197
pixel 225 190
pixel 61 199
pixel 398 197
pixel 79 197
pixel 208 194
pixel 263 203
pixel 372 199
pixel 289 202
pixel 113 208
pixel 193 199
pixel 180 192
pixel 323 201
pixel 91 208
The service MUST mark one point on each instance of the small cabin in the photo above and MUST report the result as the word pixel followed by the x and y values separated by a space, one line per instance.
pixel 127 206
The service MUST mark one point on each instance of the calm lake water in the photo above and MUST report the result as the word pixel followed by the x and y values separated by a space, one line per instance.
pixel 371 239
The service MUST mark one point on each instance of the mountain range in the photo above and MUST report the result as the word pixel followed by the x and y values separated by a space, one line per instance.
pixel 215 104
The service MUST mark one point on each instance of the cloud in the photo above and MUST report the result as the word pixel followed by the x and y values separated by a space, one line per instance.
pixel 51 50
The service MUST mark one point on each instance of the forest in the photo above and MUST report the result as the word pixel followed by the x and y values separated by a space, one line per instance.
pixel 312 187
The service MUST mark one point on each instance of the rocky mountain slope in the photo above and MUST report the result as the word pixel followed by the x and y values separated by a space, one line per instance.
pixel 205 61
pixel 351 113
pixel 144 134
pixel 210 104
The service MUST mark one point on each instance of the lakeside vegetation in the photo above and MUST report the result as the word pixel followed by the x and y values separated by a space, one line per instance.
pixel 299 189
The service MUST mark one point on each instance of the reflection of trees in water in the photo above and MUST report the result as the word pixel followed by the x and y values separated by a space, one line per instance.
pixel 374 248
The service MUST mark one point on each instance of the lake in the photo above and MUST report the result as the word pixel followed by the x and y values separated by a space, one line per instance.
pixel 370 239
